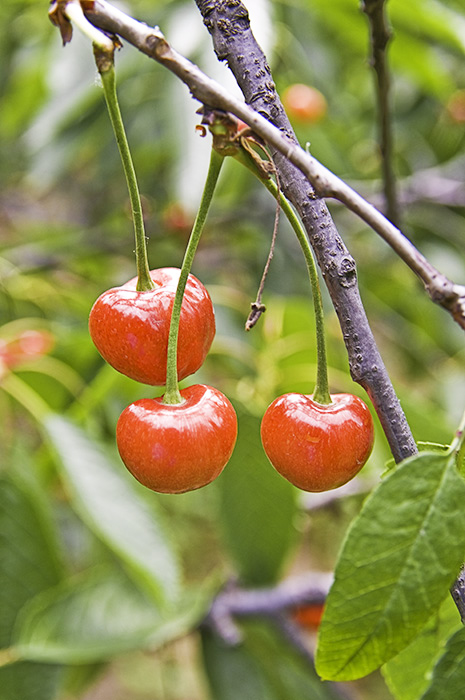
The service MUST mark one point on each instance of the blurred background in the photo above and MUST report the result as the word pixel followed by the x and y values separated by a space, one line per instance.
pixel 66 236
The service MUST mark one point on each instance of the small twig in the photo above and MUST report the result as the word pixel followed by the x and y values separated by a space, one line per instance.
pixel 380 35
pixel 257 307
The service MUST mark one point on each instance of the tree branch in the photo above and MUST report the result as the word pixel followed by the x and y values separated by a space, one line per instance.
pixel 380 35
pixel 152 43
pixel 234 601
pixel 234 42
pixel 338 267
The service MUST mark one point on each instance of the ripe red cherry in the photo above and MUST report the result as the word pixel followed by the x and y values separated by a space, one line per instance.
pixel 317 447
pixel 130 328
pixel 181 447
pixel 304 103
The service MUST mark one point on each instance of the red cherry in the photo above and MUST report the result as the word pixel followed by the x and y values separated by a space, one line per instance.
pixel 26 346
pixel 317 447
pixel 304 103
pixel 130 328
pixel 309 615
pixel 181 447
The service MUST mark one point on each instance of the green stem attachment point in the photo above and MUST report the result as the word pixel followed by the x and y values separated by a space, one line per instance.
pixel 321 393
pixel 107 72
pixel 458 446
pixel 172 395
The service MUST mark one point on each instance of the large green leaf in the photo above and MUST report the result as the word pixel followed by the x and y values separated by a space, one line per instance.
pixel 114 511
pixel 449 673
pixel 30 681
pixel 29 564
pixel 408 674
pixel 257 507
pixel 398 561
pixel 98 615
pixel 28 556
pixel 265 666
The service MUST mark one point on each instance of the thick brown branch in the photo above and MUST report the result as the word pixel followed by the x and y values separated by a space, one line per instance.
pixel 234 41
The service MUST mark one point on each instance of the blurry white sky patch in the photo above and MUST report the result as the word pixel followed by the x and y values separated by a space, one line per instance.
pixel 188 35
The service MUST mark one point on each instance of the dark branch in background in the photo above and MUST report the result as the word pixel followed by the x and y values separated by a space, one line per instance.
pixel 380 35
pixel 234 42
pixel 234 601
pixel 439 185
pixel 275 604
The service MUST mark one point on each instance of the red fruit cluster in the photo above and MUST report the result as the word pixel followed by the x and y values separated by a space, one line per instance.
pixel 317 447
pixel 130 328
pixel 173 448
pixel 170 448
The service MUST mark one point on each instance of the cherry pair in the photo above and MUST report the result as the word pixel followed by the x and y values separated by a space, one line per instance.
pixel 168 447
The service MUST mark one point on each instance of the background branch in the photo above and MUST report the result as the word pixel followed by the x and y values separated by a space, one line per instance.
pixel 380 34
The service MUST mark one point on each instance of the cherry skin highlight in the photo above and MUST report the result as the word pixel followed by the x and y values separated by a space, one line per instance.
pixel 180 447
pixel 130 328
pixel 317 447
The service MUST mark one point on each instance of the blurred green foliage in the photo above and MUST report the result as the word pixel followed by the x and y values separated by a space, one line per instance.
pixel 66 236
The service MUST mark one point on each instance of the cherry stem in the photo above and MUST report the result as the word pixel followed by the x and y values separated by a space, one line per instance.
pixel 321 393
pixel 104 52
pixel 458 445
pixel 106 69
pixel 172 395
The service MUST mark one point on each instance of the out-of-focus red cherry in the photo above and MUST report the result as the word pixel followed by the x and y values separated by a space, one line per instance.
pixel 304 103
pixel 27 345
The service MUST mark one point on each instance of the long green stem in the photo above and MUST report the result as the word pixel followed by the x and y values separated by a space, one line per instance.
pixel 104 49
pixel 458 445
pixel 321 393
pixel 172 395
pixel 107 72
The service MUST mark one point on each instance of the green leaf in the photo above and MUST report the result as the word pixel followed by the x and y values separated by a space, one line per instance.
pixel 99 615
pixel 257 507
pixel 29 681
pixel 400 557
pixel 108 503
pixel 449 673
pixel 223 664
pixel 29 564
pixel 265 666
pixel 407 674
